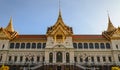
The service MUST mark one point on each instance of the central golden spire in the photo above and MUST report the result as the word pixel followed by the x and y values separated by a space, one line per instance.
pixel 59 10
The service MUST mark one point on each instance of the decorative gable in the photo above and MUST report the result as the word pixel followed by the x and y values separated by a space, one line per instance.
pixel 59 31
pixel 116 34
pixel 2 34
pixel 8 32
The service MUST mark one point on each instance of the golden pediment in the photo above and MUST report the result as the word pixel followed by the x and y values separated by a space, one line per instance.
pixel 3 34
pixel 116 34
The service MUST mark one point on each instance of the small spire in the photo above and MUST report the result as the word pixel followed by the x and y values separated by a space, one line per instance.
pixel 110 25
pixel 59 9
pixel 10 26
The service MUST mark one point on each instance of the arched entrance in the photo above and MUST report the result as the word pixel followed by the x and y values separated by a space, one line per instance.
pixel 50 57
pixel 67 57
pixel 59 57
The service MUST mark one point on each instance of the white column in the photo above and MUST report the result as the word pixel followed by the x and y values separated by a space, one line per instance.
pixel 71 57
pixel 78 59
pixel 64 57
pixel 35 59
pixel 54 57
pixel 46 56
pixel 18 59
pixel 24 58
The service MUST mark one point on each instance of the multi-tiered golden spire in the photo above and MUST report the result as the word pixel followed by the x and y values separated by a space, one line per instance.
pixel 110 25
pixel 10 26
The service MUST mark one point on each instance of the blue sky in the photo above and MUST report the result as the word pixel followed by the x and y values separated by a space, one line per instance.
pixel 34 16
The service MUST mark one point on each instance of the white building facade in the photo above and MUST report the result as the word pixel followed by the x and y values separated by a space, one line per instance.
pixel 59 46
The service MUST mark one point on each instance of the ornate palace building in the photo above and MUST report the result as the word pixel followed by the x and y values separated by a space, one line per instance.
pixel 60 49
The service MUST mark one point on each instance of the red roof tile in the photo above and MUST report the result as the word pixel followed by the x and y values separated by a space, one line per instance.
pixel 88 37
pixel 74 37
pixel 31 36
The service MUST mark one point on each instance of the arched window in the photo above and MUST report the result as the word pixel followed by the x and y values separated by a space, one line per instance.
pixel 3 46
pixel 50 57
pixel 22 45
pixel 44 45
pixel 59 57
pixel 67 57
pixel 28 46
pixel 91 45
pixel 102 45
pixel 17 45
pixel 85 46
pixel 80 45
pixel 39 45
pixel 75 45
pixel 33 45
pixel 11 45
pixel 0 57
pixel 96 46
pixel 107 45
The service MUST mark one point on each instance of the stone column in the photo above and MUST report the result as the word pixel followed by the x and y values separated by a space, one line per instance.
pixel 24 58
pixel 35 59
pixel 54 57
pixel 13 58
pixel 46 56
pixel 64 57
pixel 18 59
pixel 78 59
pixel 71 57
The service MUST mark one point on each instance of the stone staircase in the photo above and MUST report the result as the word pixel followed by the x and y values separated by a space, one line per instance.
pixel 36 66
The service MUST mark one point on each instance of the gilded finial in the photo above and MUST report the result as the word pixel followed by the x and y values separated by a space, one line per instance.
pixel 59 9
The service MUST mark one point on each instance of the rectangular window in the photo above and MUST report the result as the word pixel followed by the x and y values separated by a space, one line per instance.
pixel 92 59
pixel 15 58
pixel 75 45
pixel 96 46
pixel 104 59
pixel 75 59
pixel 119 58
pixel 44 45
pixel 38 58
pixel 116 46
pixel 11 45
pixel 81 60
pixel 86 59
pixel 110 59
pixel 85 45
pixel 10 58
pixel 98 59
pixel 102 45
pixel 21 58
pixel 0 58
